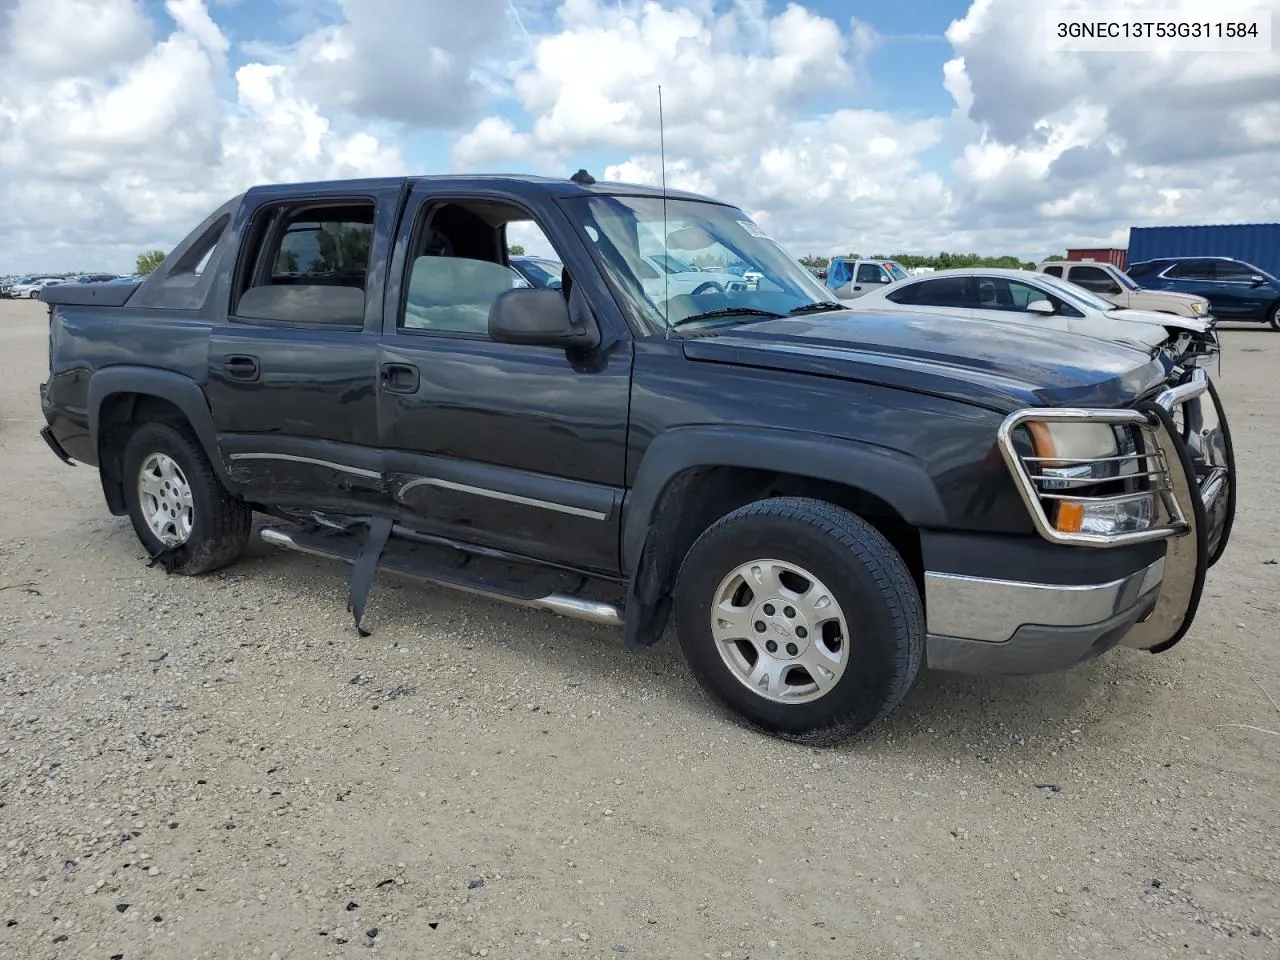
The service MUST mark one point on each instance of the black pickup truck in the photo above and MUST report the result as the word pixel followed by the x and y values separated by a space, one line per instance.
pixel 820 501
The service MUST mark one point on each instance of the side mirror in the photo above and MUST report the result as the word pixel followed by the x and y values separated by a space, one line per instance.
pixel 540 318
pixel 1113 290
pixel 884 279
pixel 1043 307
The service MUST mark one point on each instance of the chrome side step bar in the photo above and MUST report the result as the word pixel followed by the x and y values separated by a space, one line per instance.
pixel 578 608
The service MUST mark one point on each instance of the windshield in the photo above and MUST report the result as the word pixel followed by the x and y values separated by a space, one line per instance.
pixel 626 237
pixel 895 270
pixel 1124 278
pixel 1076 295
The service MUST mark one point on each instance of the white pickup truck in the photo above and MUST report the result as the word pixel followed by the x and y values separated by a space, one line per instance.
pixel 851 279
pixel 1108 281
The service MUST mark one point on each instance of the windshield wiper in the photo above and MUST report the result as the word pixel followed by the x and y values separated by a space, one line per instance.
pixel 822 306
pixel 728 312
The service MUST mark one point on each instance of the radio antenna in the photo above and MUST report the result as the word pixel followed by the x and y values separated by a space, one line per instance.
pixel 666 273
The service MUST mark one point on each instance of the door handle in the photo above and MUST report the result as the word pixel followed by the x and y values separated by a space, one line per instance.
pixel 241 367
pixel 400 378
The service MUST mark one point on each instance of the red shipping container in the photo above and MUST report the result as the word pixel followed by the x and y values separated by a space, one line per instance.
pixel 1102 255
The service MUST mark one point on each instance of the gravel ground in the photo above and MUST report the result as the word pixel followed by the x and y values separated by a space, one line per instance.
pixel 221 767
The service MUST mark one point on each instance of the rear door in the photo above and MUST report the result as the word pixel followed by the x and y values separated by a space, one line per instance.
pixel 950 296
pixel 514 447
pixel 293 371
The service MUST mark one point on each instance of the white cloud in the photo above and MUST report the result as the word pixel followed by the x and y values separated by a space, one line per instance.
pixel 96 164
pixel 595 83
pixel 403 60
pixel 1082 145
pixel 102 34
pixel 494 143
pixel 116 132
pixel 193 18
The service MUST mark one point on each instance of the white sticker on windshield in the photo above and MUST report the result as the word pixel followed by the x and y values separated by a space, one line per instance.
pixel 752 229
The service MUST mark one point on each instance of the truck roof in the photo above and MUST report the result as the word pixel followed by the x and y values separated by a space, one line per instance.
pixel 580 185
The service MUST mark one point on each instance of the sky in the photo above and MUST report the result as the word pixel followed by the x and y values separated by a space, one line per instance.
pixel 838 125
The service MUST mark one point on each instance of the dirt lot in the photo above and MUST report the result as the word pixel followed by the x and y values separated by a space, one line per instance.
pixel 222 768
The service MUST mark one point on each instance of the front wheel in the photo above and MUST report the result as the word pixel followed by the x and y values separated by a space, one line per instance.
pixel 1274 317
pixel 180 511
pixel 801 618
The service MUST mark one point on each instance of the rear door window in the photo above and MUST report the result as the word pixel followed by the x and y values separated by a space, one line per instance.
pixel 942 292
pixel 1192 270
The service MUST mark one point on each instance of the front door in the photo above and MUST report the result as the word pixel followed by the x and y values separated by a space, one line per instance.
pixel 291 375
pixel 1236 294
pixel 518 448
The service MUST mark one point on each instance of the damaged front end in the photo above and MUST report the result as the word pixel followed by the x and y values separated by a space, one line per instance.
pixel 1190 348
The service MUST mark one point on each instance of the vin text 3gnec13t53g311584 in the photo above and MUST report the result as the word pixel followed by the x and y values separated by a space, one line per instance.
pixel 820 501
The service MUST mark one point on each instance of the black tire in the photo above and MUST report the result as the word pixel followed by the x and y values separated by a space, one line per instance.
pixel 869 581
pixel 709 287
pixel 1273 318
pixel 220 523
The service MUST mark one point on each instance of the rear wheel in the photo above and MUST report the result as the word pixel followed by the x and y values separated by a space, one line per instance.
pixel 179 509
pixel 801 618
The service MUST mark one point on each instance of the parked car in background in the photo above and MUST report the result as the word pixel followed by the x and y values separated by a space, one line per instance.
pixel 1044 301
pixel 6 288
pixel 38 292
pixel 669 276
pixel 1236 290
pixel 851 279
pixel 1112 284
pixel 92 278
pixel 543 273
pixel 31 286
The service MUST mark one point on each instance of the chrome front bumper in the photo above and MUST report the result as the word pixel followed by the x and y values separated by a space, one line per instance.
pixel 978 625
pixel 1003 626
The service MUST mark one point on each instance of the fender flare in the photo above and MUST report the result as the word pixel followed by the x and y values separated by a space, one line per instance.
pixel 180 390
pixel 894 477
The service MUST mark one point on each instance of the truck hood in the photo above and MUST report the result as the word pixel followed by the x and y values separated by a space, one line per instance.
pixel 1002 366
pixel 1184 298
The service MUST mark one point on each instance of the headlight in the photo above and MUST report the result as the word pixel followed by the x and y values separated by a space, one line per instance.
pixel 1198 308
pixel 1073 441
pixel 1091 477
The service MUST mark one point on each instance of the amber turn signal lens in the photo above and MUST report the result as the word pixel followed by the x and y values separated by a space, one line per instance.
pixel 1070 517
